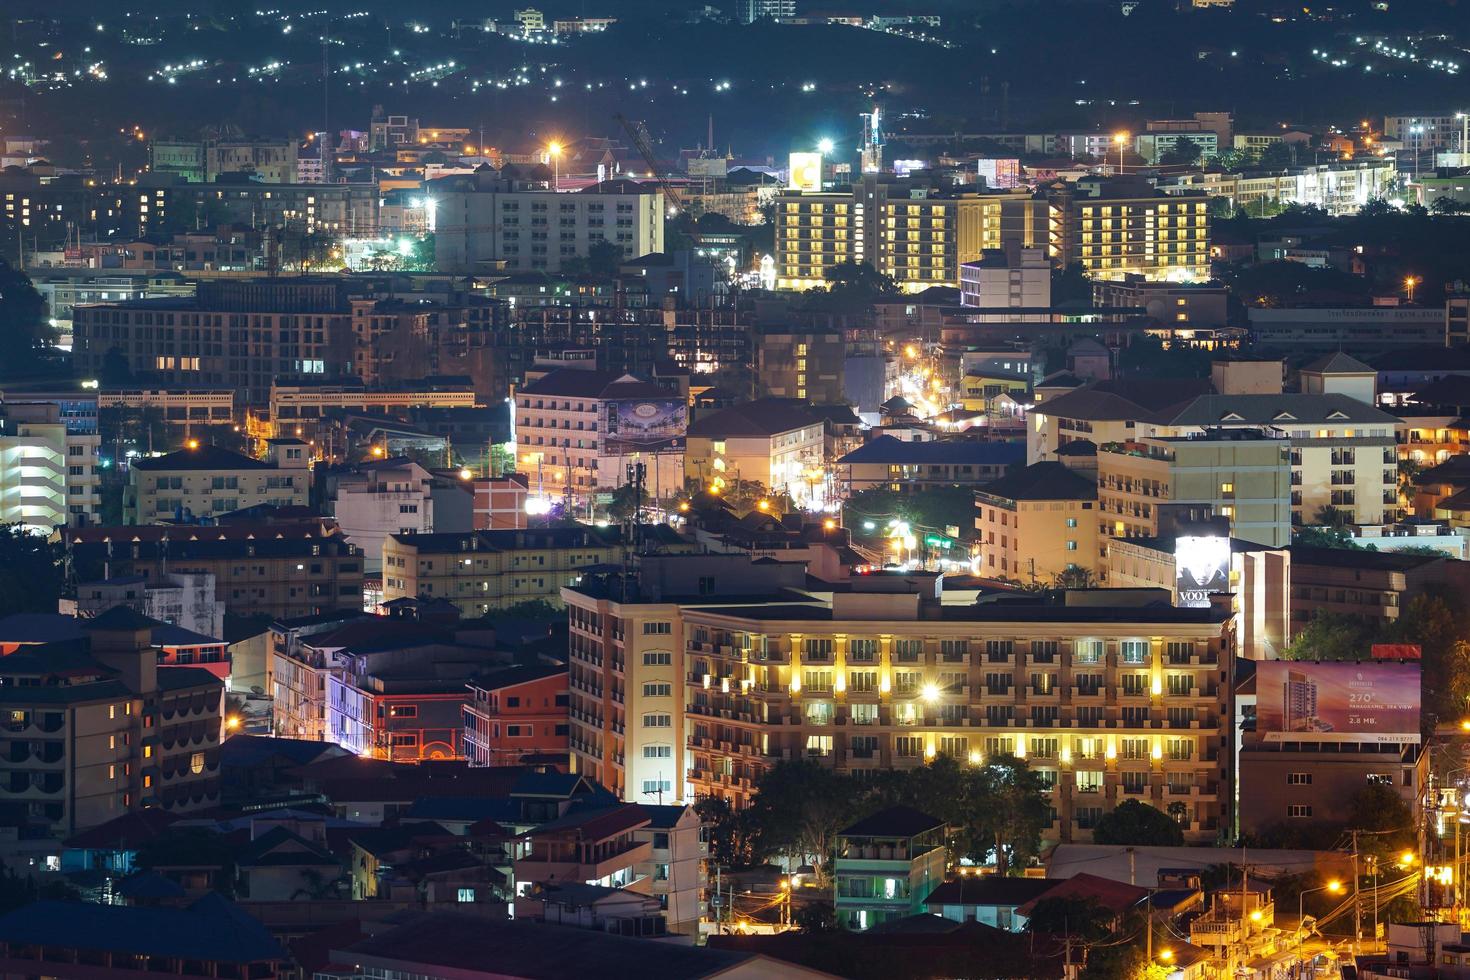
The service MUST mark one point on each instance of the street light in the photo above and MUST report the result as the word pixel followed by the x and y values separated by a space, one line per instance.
pixel 1409 283
pixel 1332 887
pixel 553 150
pixel 825 146
pixel 1119 139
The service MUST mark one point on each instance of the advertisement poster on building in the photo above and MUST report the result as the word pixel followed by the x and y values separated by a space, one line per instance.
pixel 1201 567
pixel 1303 701
pixel 643 426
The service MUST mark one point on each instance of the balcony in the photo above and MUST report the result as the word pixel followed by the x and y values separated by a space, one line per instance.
pixel 536 868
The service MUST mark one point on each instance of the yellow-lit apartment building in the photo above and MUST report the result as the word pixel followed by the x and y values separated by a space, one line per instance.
pixel 1107 696
pixel 1122 226
pixel 481 571
pixel 917 235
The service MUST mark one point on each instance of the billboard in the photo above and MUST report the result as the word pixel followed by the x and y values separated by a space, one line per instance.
pixel 806 171
pixel 1001 173
pixel 644 426
pixel 1201 566
pixel 1305 701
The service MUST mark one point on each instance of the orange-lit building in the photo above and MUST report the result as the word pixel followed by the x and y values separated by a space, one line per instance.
pixel 500 502
pixel 514 714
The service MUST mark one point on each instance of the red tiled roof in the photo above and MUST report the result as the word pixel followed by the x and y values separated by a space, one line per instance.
pixel 1115 896
pixel 128 831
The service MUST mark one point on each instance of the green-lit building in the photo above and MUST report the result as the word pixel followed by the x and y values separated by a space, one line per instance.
pixel 887 864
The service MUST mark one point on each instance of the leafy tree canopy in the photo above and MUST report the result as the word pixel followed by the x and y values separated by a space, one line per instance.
pixel 25 331
pixel 30 571
pixel 1135 822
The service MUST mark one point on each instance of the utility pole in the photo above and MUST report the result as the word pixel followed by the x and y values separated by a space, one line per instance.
pixel 1357 898
pixel 1456 874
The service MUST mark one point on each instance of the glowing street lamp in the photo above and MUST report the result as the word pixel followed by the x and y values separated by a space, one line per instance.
pixel 553 150
pixel 1409 283
pixel 1333 887
pixel 1120 140
pixel 825 146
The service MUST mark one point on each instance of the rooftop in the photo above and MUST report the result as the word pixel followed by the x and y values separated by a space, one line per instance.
pixel 511 676
pixel 1382 561
pixel 990 890
pixel 211 930
pixel 1135 398
pixel 1010 607
pixel 206 457
pixel 893 451
pixel 1116 896
pixel 1337 363
pixel 761 418
pixel 577 383
pixel 1283 410
pixel 452 943
pixel 895 821
pixel 1043 481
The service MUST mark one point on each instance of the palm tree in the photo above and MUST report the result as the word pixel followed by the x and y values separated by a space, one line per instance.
pixel 315 886
pixel 1074 577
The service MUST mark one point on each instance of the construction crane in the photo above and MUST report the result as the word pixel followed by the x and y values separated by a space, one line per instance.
pixel 641 144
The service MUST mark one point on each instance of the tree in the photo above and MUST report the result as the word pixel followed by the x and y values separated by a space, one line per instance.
pixel 1277 156
pixel 1389 821
pixel 1376 208
pixel 1439 622
pixel 932 510
pixel 626 502
pixel 798 811
pixel 730 841
pixel 1232 161
pixel 1135 822
pixel 30 571
pixel 604 258
pixel 144 429
pixel 1081 918
pixel 115 371
pixel 18 890
pixel 1409 470
pixel 1332 517
pixel 304 250
pixel 1126 962
pixel 1331 636
pixel 852 288
pixel 1184 151
pixel 1074 577
pixel 1015 811
pixel 316 887
pixel 816 917
pixel 1326 537
pixel 25 331
pixel 1071 284
pixel 1148 357
pixel 421 259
